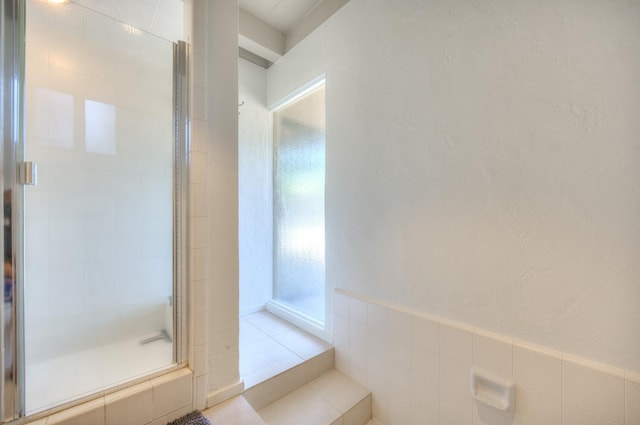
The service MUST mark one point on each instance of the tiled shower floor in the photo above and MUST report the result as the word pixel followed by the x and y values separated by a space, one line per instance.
pixel 68 377
pixel 270 345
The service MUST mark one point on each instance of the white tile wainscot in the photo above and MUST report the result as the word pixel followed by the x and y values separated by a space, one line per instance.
pixel 388 348
pixel 154 402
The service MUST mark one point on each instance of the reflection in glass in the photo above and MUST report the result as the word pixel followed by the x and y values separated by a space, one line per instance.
pixel 299 153
pixel 100 127
pixel 55 119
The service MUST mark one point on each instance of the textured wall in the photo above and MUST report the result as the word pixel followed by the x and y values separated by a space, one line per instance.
pixel 254 163
pixel 482 165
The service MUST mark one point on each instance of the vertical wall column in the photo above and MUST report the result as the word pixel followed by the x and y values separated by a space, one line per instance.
pixel 212 30
pixel 198 212
pixel 222 199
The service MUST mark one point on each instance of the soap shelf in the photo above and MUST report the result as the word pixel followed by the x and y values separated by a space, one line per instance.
pixel 492 390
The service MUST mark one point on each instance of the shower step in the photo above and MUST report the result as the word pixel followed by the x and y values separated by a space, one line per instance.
pixel 266 392
pixel 330 399
pixel 290 379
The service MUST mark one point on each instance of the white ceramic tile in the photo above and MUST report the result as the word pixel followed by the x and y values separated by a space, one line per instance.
pixel 198 200
pixel 199 11
pixel 537 370
pixel 199 297
pixel 301 406
pixel 198 136
pixel 420 415
pixel 276 386
pixel 340 391
pixel 532 408
pixel 493 355
pixel 399 397
pixel 171 392
pixel 593 391
pixel 456 343
pixel 425 336
pixel 377 383
pixel 198 71
pixel 357 342
pixel 172 416
pixel 198 167
pixel 632 377
pixel 131 406
pixel 273 359
pixel 399 341
pixel 249 336
pixel 358 372
pixel 359 414
pixel 485 415
pixel 632 394
pixel 199 39
pixel 575 416
pixel 199 263
pixel 379 407
pixel 425 384
pixel 357 310
pixel 107 7
pixel 340 326
pixel 377 318
pixel 198 104
pixel 168 21
pixel 455 396
pixel 91 413
pixel 137 13
pixel 199 360
pixel 199 328
pixel 377 341
pixel 301 343
pixel 341 346
pixel 341 304
pixel 200 392
pixel 199 232
pixel 269 323
pixel 234 411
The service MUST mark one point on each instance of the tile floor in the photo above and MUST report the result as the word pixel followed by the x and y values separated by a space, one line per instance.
pixel 61 379
pixel 270 345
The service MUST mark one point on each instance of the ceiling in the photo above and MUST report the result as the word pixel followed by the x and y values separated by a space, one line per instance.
pixel 280 14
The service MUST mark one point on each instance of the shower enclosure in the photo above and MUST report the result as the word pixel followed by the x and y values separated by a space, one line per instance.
pixel 93 157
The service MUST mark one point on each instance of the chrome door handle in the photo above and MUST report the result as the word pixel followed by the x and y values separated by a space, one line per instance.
pixel 28 173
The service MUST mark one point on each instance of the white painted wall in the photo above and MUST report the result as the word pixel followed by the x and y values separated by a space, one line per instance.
pixel 482 164
pixel 255 188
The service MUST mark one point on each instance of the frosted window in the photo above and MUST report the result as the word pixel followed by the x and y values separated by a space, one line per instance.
pixel 299 155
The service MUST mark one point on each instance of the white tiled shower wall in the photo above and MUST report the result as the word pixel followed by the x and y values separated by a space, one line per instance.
pixel 98 224
pixel 418 369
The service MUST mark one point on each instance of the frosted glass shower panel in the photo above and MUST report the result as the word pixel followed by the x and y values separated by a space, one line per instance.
pixel 299 172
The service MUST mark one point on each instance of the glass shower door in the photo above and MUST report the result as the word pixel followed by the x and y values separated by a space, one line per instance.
pixel 98 215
